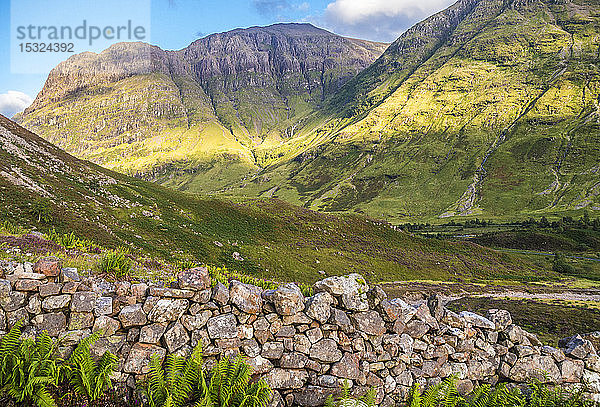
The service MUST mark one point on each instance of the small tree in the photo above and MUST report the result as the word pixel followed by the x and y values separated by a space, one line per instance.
pixel 42 209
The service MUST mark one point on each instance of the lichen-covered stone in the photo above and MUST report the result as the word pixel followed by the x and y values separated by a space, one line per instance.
pixel 369 322
pixel 246 297
pixel 222 327
pixel 132 315
pixel 166 310
pixel 197 278
pixel 83 301
pixel 287 299
pixel 138 361
pixel 106 325
pixel 175 337
pixel 326 350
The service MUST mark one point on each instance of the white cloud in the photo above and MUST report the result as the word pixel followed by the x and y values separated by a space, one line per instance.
pixel 13 102
pixel 382 20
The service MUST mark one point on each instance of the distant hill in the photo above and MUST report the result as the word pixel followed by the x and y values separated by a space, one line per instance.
pixel 276 240
pixel 214 108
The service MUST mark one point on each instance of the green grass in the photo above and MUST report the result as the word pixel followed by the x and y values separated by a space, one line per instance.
pixel 277 240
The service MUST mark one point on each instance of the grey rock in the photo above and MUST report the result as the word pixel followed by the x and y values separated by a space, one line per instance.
pixel 197 278
pixel 194 322
pixel 369 322
pixel 294 360
pixel 259 364
pixel 166 310
pixel 175 337
pixel 278 378
pixel 272 350
pixel 477 320
pixel 571 370
pixel 56 302
pixel 107 326
pixel 69 275
pixel 222 327
pixel 348 367
pixel 319 306
pixel 325 350
pixel 500 318
pixel 220 293
pixel 152 333
pixel 138 360
pixel 104 306
pixel 132 315
pixel 48 289
pixel 83 301
pixel 13 301
pixel 53 323
pixel 246 297
pixel 287 299
pixel 542 368
pixel 80 320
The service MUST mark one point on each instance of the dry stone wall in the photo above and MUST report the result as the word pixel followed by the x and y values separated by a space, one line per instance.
pixel 303 347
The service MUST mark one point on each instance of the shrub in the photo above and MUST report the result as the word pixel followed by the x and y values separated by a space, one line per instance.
pixel 179 381
pixel 561 266
pixel 116 262
pixel 230 386
pixel 70 241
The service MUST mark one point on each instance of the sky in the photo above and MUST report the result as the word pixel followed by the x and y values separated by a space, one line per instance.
pixel 174 24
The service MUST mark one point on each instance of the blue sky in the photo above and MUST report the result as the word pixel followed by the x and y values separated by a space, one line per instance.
pixel 174 24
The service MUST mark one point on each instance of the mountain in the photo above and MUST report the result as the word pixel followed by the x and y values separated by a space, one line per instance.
pixel 489 108
pixel 215 108
pixel 276 240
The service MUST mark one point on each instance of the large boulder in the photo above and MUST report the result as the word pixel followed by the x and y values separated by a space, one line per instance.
pixel 351 289
pixel 246 297
pixel 132 315
pixel 287 299
pixel 222 327
pixel 319 306
pixel 197 278
pixel 140 355
pixel 166 310
pixel 369 322
pixel 326 350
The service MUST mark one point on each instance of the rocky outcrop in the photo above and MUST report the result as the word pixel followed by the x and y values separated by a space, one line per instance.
pixel 305 347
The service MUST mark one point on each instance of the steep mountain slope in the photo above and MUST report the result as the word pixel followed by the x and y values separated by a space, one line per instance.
pixel 214 108
pixel 276 240
pixel 489 108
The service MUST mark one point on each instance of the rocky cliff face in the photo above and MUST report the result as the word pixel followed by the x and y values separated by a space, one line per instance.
pixel 140 109
pixel 304 347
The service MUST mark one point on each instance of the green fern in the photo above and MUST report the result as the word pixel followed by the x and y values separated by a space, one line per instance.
pixel 180 381
pixel 28 368
pixel 230 386
pixel 345 399
pixel 88 377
